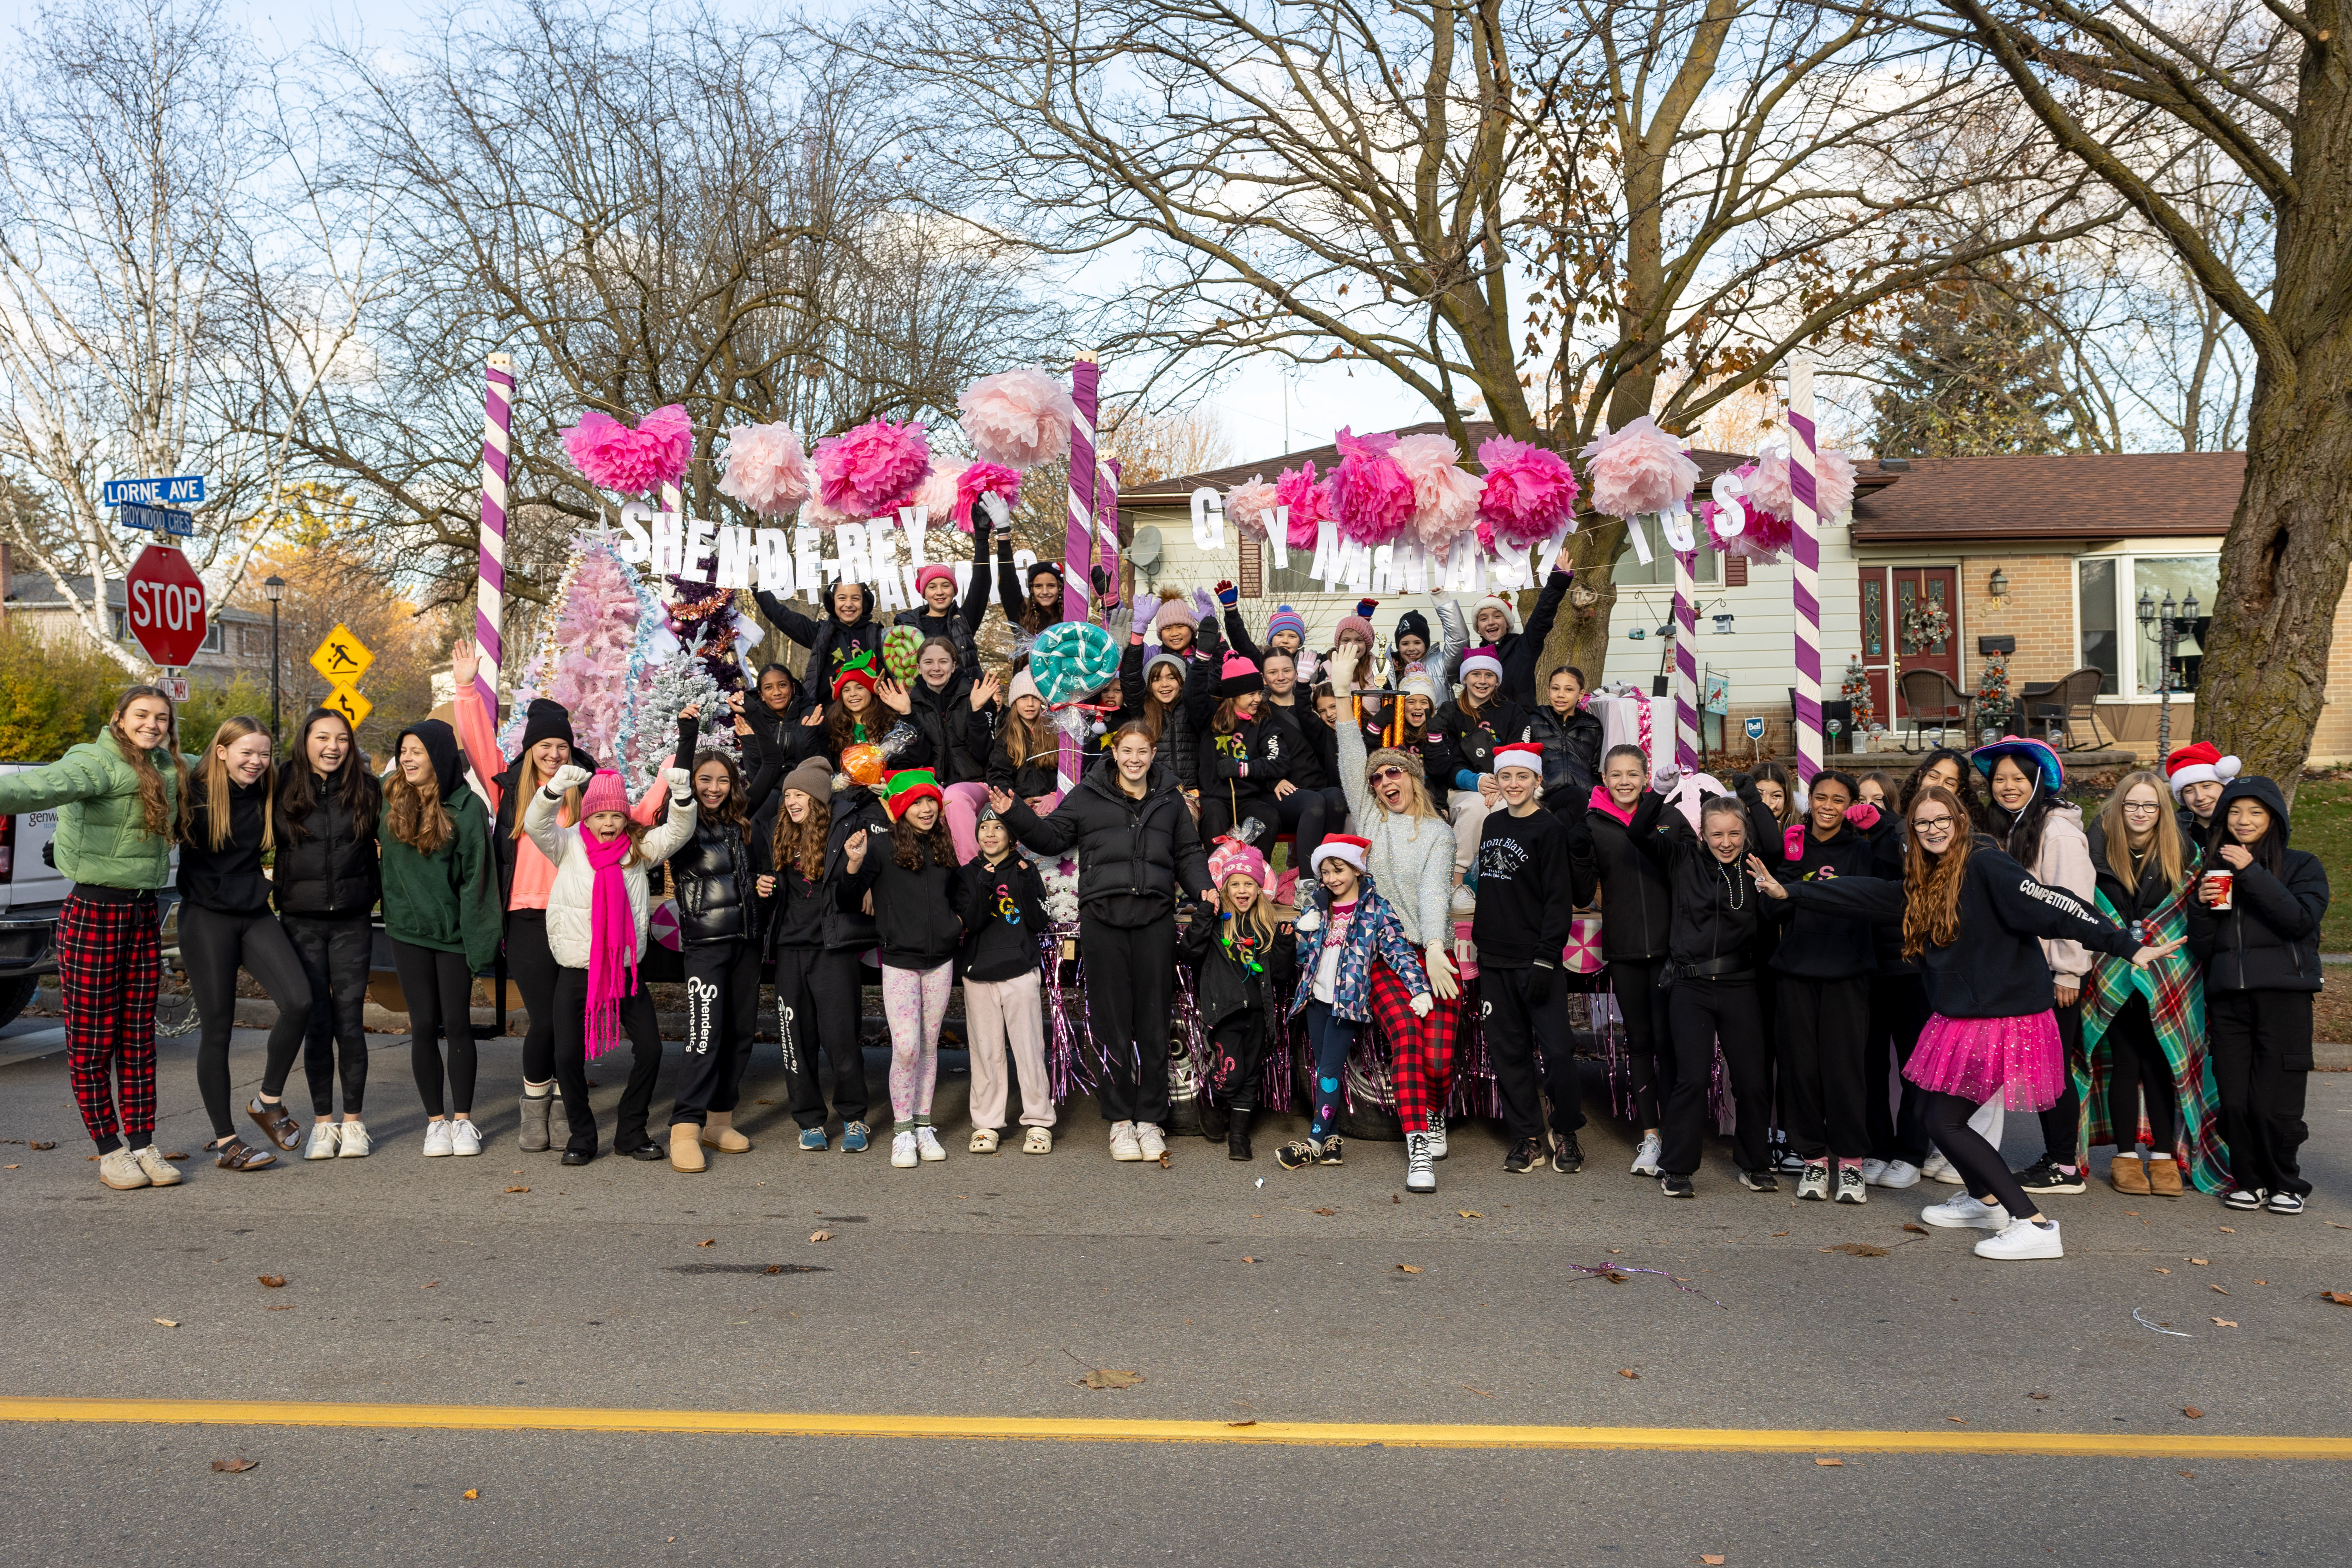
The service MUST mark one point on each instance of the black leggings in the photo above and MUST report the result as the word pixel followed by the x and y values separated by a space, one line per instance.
pixel 1700 1014
pixel 1980 1166
pixel 335 954
pixel 533 968
pixel 439 989
pixel 1649 1055
pixel 2137 1065
pixel 1898 1011
pixel 213 946
pixel 643 1030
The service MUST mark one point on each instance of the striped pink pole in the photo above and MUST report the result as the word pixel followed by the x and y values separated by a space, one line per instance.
pixel 1107 518
pixel 490 574
pixel 1078 547
pixel 1802 466
pixel 1685 661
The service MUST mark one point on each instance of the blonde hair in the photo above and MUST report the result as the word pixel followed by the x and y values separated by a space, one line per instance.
pixel 155 805
pixel 528 782
pixel 2171 855
pixel 1260 921
pixel 213 780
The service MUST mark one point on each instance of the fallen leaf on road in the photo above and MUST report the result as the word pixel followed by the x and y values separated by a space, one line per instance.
pixel 1831 1462
pixel 1711 1558
pixel 2262 1281
pixel 2229 1230
pixel 236 1467
pixel 1164 1161
pixel 1858 1248
pixel 1110 1377
pixel 286 1308
pixel 1402 1268
pixel 2037 1397
pixel 1627 1372
pixel 15 1167
pixel 1958 1420
pixel 1780 1233
pixel 1479 1392
pixel 2217 1288
pixel 429 1284
pixel 169 1322
pixel 2186 1475
pixel 1469 1214
pixel 2198 1261
pixel 518 1189
pixel 2192 1412
pixel 1249 1260
pixel 2341 1298
pixel 711 1242
pixel 1393 1197
pixel 472 1494
pixel 1914 1229
pixel 2226 1323
pixel 1251 1422
pixel 813 1236
pixel 1327 1211
pixel 176 1154
pixel 2164 1271
pixel 39 1144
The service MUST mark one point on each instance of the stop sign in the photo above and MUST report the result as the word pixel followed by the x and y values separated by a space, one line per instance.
pixel 166 608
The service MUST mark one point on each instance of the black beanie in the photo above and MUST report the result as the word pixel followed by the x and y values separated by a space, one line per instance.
pixel 1413 623
pixel 546 720
pixel 1052 568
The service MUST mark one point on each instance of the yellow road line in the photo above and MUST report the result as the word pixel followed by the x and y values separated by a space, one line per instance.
pixel 1319 1433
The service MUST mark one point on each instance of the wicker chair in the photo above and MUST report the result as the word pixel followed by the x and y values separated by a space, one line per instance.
pixel 1930 694
pixel 2073 700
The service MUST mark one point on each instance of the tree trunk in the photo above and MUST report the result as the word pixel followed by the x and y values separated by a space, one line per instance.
pixel 2283 567
pixel 1581 636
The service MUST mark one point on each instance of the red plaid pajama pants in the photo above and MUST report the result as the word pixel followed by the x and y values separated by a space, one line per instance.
pixel 108 956
pixel 1421 1049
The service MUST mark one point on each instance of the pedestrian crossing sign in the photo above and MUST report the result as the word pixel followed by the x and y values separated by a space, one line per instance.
pixel 342 658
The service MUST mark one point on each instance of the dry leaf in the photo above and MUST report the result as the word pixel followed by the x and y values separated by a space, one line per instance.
pixel 2341 1298
pixel 2164 1271
pixel 1327 1211
pixel 1396 1197
pixel 429 1285
pixel 13 1167
pixel 2037 1397
pixel 1469 1214
pixel 1858 1248
pixel 1164 1161
pixel 275 1281
pixel 1110 1377
pixel 1914 1229
pixel 236 1467
pixel 1780 1233
pixel 1249 1260
pixel 2192 1412
pixel 518 1189
pixel 1829 1462
pixel 176 1154
pixel 1627 1372
pixel 813 1236
pixel 1710 1557
pixel 712 1241
pixel 1402 1268
pixel 169 1322
pixel 2186 1475
pixel 286 1308
pixel 2217 1288
pixel 2198 1261
pixel 1251 1422
pixel 472 1494
pixel 2225 1322
pixel 39 1144
pixel 1479 1392
pixel 1957 1420
pixel 2262 1281
pixel 2229 1230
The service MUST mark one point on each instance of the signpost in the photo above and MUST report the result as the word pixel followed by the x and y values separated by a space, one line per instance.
pixel 165 605
pixel 181 490
pixel 169 519
pixel 342 658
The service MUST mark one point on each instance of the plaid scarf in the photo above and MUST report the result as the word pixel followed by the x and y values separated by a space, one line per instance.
pixel 2175 992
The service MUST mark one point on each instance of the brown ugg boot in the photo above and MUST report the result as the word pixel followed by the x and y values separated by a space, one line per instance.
pixel 686 1147
pixel 2128 1175
pixel 719 1133
pixel 2164 1178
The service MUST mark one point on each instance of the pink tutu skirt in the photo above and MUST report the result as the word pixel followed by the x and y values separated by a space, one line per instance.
pixel 2021 1059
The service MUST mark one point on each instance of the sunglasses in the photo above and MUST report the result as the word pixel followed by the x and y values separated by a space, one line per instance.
pixel 1382 775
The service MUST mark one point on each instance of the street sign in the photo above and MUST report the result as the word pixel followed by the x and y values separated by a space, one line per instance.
pixel 1756 729
pixel 166 605
pixel 181 490
pixel 353 707
pixel 175 686
pixel 342 658
pixel 168 519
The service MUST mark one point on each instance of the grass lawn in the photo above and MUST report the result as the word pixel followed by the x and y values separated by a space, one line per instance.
pixel 2323 825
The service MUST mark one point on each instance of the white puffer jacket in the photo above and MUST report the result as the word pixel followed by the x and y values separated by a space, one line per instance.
pixel 575 880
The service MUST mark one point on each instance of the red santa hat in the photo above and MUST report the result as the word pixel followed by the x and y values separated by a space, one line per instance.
pixel 1342 847
pixel 1525 754
pixel 2201 764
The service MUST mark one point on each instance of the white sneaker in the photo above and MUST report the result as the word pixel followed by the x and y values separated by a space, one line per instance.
pixel 1150 1140
pixel 1938 1169
pixel 161 1172
pixel 1123 1142
pixel 1849 1187
pixel 1899 1174
pixel 1645 1158
pixel 1437 1135
pixel 464 1137
pixel 436 1139
pixel 1964 1213
pixel 926 1145
pixel 119 1169
pixel 324 1142
pixel 352 1141
pixel 1872 1170
pixel 1420 1170
pixel 902 1150
pixel 2023 1238
pixel 1814 1187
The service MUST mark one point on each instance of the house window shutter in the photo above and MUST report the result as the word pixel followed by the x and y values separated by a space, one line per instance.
pixel 1735 571
pixel 1253 567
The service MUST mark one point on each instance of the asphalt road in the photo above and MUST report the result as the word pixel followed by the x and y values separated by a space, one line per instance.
pixel 994 1285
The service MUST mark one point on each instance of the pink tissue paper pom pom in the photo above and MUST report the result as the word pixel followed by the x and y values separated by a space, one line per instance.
pixel 613 457
pixel 872 470
pixel 1309 500
pixel 1251 505
pixel 1833 484
pixel 978 479
pixel 825 518
pixel 1370 495
pixel 937 494
pixel 766 470
pixel 1767 535
pixel 1639 469
pixel 1530 493
pixel 1019 418
pixel 1444 499
pixel 1766 484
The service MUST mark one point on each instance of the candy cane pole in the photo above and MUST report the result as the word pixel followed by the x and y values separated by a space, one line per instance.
pixel 1107 520
pixel 1802 466
pixel 1078 547
pixel 1685 662
pixel 490 574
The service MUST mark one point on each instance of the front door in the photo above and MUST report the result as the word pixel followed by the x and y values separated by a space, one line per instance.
pixel 1901 629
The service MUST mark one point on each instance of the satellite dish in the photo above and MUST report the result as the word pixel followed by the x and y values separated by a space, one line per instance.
pixel 1145 550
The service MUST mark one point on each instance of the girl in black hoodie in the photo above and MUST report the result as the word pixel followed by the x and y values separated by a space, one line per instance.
pixel 1004 996
pixel 818 982
pixel 1635 905
pixel 325 884
pixel 1246 758
pixel 848 630
pixel 225 922
pixel 2262 968
pixel 918 887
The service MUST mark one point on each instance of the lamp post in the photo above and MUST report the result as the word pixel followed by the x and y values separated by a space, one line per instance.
pixel 2169 623
pixel 273 588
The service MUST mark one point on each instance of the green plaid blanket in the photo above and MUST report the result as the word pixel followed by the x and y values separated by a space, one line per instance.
pixel 2174 990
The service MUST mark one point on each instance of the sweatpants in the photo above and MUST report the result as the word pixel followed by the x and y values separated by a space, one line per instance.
pixel 1898 1119
pixel 1307 815
pixel 335 955
pixel 1698 1014
pixel 2137 1067
pixel 109 958
pixel 1824 1087
pixel 643 1030
pixel 1649 1055
pixel 533 968
pixel 213 946
pixel 1469 808
pixel 1131 987
pixel 1986 1174
pixel 818 1019
pixel 722 1020
pixel 1001 1017
pixel 1237 1050
pixel 961 807
pixel 2062 1124
pixel 1533 1052
pixel 2260 1042
pixel 1330 1037
pixel 439 989
pixel 1420 1050
pixel 915 1004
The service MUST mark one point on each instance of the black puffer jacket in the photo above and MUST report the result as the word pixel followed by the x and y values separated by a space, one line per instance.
pixel 1475 740
pixel 959 739
pixel 777 735
pixel 326 864
pixel 718 873
pixel 1137 859
pixel 1179 736
pixel 227 881
pixel 1572 754
pixel 831 641
pixel 1637 905
pixel 1223 985
pixel 2268 940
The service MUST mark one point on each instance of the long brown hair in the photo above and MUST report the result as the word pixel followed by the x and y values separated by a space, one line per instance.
pixel 731 812
pixel 801 843
pixel 1022 738
pixel 908 841
pixel 156 810
pixel 2164 843
pixel 299 788
pixel 1780 776
pixel 1931 884
pixel 416 816
pixel 840 725
pixel 1154 712
pixel 212 779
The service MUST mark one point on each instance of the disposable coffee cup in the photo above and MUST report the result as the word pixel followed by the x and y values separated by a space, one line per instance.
pixel 2223 881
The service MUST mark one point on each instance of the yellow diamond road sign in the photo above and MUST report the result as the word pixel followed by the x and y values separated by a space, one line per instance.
pixel 342 658
pixel 353 707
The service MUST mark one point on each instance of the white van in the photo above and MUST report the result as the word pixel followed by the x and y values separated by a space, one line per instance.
pixel 32 895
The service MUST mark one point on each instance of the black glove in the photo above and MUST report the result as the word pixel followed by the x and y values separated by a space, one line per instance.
pixel 1543 981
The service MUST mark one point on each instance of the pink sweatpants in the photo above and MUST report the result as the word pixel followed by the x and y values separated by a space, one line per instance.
pixel 1001 1014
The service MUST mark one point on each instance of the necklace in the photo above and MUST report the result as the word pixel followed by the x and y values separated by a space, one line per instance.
pixel 1736 884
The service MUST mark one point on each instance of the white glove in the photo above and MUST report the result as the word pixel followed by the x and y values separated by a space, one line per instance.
pixel 568 777
pixel 1421 1006
pixel 1441 978
pixel 681 784
pixel 1665 779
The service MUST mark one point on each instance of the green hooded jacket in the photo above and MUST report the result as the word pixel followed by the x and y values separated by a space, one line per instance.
pixel 101 838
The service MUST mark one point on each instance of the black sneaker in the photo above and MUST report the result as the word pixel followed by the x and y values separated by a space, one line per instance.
pixel 1298 1155
pixel 1331 1152
pixel 1759 1181
pixel 1567 1155
pixel 2244 1198
pixel 1525 1155
pixel 2285 1203
pixel 1675 1186
pixel 2044 1176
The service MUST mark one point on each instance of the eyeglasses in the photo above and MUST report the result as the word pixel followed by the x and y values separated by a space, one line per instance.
pixel 2141 808
pixel 1932 824
pixel 1382 775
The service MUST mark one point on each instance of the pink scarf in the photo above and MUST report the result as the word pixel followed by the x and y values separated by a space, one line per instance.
pixel 612 942
pixel 1603 801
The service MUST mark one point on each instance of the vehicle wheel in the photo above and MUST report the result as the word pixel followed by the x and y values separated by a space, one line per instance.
pixel 15 995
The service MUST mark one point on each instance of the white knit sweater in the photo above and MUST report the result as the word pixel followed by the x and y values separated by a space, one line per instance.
pixel 1411 860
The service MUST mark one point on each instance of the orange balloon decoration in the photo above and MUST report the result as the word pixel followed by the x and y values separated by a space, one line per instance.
pixel 863 763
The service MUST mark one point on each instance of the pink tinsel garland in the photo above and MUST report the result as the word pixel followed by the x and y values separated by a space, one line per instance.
pixel 1445 499
pixel 1251 505
pixel 1309 500
pixel 1639 469
pixel 613 457
pixel 871 470
pixel 766 469
pixel 1371 496
pixel 1530 493
pixel 1020 418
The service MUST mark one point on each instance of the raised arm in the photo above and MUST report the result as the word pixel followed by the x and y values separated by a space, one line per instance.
pixel 801 628
pixel 1519 669
pixel 478 740
pixel 1010 589
pixel 1353 762
pixel 975 594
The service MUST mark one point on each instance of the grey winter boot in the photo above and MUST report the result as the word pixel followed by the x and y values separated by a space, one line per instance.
pixel 532 1137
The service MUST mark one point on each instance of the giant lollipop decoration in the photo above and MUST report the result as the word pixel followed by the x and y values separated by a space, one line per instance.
pixel 1072 661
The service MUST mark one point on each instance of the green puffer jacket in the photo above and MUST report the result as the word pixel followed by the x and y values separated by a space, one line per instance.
pixel 101 838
